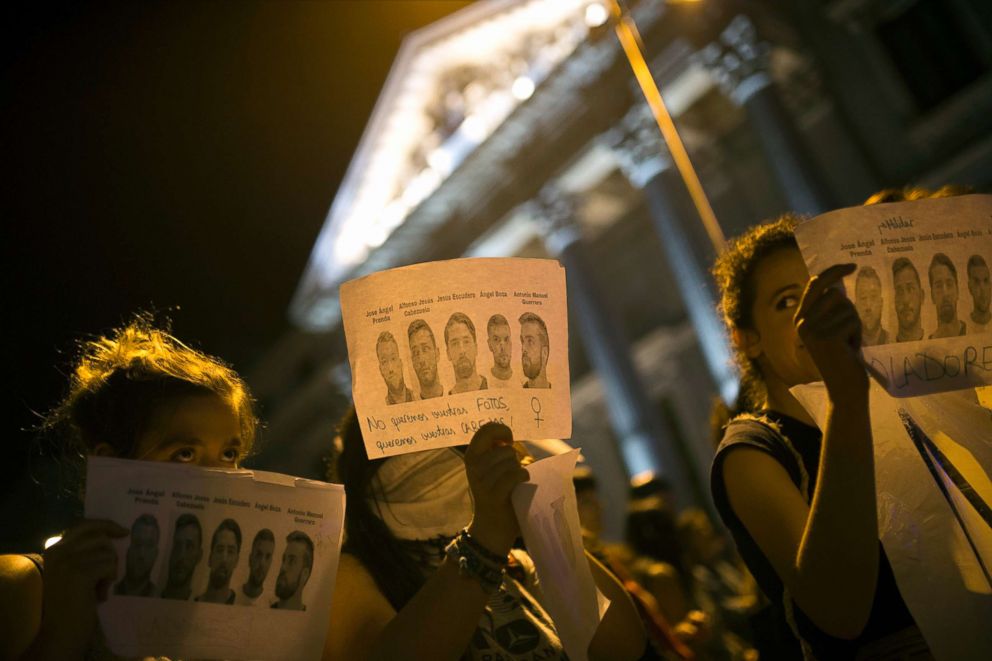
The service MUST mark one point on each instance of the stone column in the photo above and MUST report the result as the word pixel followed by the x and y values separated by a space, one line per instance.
pixel 738 61
pixel 644 442
pixel 643 157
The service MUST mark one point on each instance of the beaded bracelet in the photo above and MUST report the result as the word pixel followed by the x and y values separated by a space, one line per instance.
pixel 477 562
pixel 494 558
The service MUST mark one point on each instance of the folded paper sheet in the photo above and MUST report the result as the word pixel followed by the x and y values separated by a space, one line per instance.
pixel 439 349
pixel 934 535
pixel 220 564
pixel 549 520
pixel 921 288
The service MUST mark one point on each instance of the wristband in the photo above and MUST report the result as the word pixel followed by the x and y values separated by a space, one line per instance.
pixel 494 558
pixel 476 562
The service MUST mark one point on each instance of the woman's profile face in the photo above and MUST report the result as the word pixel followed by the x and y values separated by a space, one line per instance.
pixel 203 430
pixel 779 280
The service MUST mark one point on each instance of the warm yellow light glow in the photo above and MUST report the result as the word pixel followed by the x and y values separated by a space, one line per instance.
pixel 381 185
pixel 474 128
pixel 523 88
pixel 52 541
pixel 630 40
pixel 440 160
pixel 596 14
pixel 420 187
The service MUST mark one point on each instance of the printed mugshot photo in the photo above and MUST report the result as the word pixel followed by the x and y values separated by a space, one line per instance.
pixel 225 548
pixel 294 572
pixel 868 301
pixel 263 547
pixel 498 339
pixel 980 289
pixel 460 343
pixel 142 552
pixel 944 295
pixel 535 349
pixel 908 300
pixel 424 355
pixel 185 554
pixel 391 369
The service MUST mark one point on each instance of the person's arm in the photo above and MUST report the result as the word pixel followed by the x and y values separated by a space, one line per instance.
pixel 58 611
pixel 620 634
pixel 826 553
pixel 439 621
pixel 20 605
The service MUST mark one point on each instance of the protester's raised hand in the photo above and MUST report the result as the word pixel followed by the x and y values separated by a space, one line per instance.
pixel 493 469
pixel 79 570
pixel 830 329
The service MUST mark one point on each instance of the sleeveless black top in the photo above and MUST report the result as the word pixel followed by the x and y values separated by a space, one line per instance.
pixel 796 446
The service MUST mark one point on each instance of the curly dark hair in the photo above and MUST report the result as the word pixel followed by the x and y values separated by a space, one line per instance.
pixel 910 193
pixel 733 272
pixel 119 381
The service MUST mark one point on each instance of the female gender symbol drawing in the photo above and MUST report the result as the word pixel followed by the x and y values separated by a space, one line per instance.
pixel 535 406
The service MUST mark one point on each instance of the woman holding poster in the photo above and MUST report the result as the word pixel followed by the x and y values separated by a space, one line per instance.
pixel 428 571
pixel 139 394
pixel 801 504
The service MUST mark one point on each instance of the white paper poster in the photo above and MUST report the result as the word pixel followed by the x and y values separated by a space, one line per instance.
pixel 932 494
pixel 220 564
pixel 549 521
pixel 922 287
pixel 439 349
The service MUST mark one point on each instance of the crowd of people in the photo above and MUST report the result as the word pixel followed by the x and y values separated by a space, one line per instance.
pixel 432 565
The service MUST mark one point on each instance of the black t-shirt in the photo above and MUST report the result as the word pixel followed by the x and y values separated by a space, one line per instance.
pixel 796 446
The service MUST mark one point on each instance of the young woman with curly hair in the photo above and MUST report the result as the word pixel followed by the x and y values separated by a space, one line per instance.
pixel 801 503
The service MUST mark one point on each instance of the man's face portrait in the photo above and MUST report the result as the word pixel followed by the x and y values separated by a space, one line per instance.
pixel 868 301
pixel 424 353
pixel 461 350
pixel 142 551
pixel 909 297
pixel 223 558
pixel 294 573
pixel 185 555
pixel 944 292
pixel 499 344
pixel 390 365
pixel 979 287
pixel 260 560
pixel 535 354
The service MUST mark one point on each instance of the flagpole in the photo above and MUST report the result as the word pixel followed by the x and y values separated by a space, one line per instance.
pixel 633 48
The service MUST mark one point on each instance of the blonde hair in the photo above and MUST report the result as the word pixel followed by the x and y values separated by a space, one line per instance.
pixel 120 379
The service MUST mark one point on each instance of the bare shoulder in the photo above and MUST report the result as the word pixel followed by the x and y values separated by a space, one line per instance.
pixel 21 590
pixel 16 567
pixel 760 489
pixel 768 503
pixel 749 470
pixel 359 611
pixel 19 579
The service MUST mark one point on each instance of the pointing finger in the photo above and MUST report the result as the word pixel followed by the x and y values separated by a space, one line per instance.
pixel 821 283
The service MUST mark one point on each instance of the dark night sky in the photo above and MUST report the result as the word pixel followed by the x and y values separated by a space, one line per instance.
pixel 173 154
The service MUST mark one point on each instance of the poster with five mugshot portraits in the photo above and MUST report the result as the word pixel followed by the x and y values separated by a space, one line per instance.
pixel 921 287
pixel 217 563
pixel 439 349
